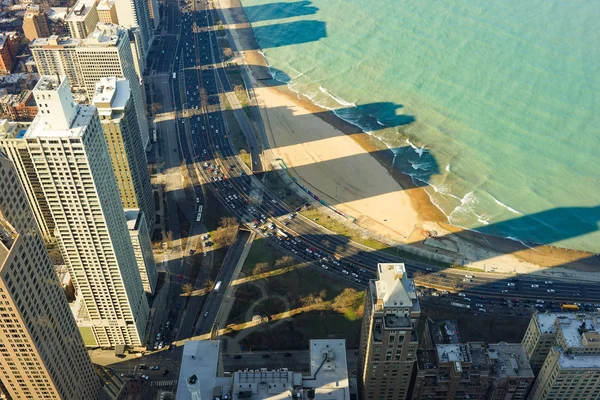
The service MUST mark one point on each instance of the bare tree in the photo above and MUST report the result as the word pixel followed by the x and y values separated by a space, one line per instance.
pixel 285 261
pixel 347 299
pixel 260 268
pixel 187 288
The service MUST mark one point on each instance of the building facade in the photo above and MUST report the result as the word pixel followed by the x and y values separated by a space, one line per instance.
pixel 154 10
pixel 107 12
pixel 119 122
pixel 13 145
pixel 569 344
pixel 38 335
pixel 106 52
pixel 70 156
pixel 135 15
pixel 82 19
pixel 142 246
pixel 8 43
pixel 388 344
pixel 35 24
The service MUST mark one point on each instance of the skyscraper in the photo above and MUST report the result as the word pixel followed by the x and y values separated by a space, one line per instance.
pixel 71 159
pixel 105 52
pixel 135 15
pixel 42 355
pixel 388 342
pixel 119 121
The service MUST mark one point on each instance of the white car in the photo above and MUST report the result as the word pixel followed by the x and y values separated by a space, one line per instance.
pixel 469 276
pixel 535 286
pixel 462 295
pixel 510 284
pixel 550 290
pixel 548 282
pixel 146 377
pixel 345 272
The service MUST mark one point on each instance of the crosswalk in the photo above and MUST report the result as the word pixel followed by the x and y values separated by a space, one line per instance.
pixel 163 383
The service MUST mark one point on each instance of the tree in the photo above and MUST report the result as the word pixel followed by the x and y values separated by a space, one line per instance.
pixel 346 299
pixel 187 288
pixel 285 261
pixel 209 284
pixel 418 275
pixel 155 107
pixel 227 52
pixel 260 268
pixel 227 222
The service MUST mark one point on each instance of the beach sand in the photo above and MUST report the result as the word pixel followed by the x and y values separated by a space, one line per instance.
pixel 351 171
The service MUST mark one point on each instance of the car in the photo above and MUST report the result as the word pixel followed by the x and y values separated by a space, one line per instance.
pixel 160 345
pixel 479 305
pixel 550 290
pixel 535 286
pixel 154 368
pixel 121 355
pixel 469 276
pixel 504 291
pixel 145 377
pixel 206 314
pixel 462 295
pixel 165 372
pixel 510 284
pixel 548 282
pixel 428 269
pixel 287 354
pixel 143 366
pixel 345 272
pixel 266 356
pixel 237 357
pixel 467 280
pixel 482 310
pixel 158 335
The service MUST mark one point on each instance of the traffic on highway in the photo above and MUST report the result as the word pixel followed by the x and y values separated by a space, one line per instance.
pixel 198 83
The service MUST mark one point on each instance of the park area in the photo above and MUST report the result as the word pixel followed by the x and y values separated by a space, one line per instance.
pixel 280 304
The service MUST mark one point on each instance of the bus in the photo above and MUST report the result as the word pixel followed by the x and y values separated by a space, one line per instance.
pixel 199 215
pixel 569 307
pixel 282 234
pixel 174 75
pixel 217 286
pixel 461 305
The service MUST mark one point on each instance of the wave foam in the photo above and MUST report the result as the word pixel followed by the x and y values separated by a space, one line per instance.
pixel 512 210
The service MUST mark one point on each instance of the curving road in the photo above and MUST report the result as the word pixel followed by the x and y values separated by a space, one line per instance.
pixel 199 83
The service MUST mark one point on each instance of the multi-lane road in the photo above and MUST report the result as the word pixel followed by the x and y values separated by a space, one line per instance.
pixel 197 91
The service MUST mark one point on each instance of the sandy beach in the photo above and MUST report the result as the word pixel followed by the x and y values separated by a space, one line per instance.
pixel 349 170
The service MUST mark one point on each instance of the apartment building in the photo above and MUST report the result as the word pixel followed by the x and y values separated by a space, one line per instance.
pixel 70 156
pixel 35 24
pixel 119 121
pixel 8 56
pixel 38 335
pixel 19 107
pixel 57 56
pixel 135 15
pixel 13 145
pixel 388 349
pixel 569 344
pixel 107 12
pixel 82 18
pixel 142 246
pixel 105 52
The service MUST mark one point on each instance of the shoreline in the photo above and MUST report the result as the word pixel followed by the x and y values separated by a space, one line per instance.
pixel 427 212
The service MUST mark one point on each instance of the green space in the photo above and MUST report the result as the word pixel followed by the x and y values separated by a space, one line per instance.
pixel 240 145
pixel 323 307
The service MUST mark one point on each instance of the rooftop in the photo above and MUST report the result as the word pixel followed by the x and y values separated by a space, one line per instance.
pixel 78 127
pixel 105 34
pixel 55 40
pixel 579 361
pixel 198 370
pixel 111 94
pixel 393 287
pixel 453 353
pixel 105 5
pixel 48 82
pixel 578 330
pixel 132 215
pixel 509 360
pixel 81 10
pixel 444 332
pixel 328 368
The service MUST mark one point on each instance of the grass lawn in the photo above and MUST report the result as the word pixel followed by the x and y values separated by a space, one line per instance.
pixel 306 289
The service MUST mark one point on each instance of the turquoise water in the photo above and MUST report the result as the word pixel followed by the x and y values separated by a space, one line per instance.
pixel 504 97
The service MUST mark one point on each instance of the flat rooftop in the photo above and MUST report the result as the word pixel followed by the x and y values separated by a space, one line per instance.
pixel 453 353
pixel 105 34
pixel 578 361
pixel 329 370
pixel 84 116
pixel 54 40
pixel 198 370
pixel 509 360
pixel 80 10
pixel 111 93
pixel 444 332
pixel 579 330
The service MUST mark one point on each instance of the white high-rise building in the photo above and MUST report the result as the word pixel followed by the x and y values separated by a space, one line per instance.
pixel 42 355
pixel 82 18
pixel 70 156
pixel 105 52
pixel 142 246
pixel 135 15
